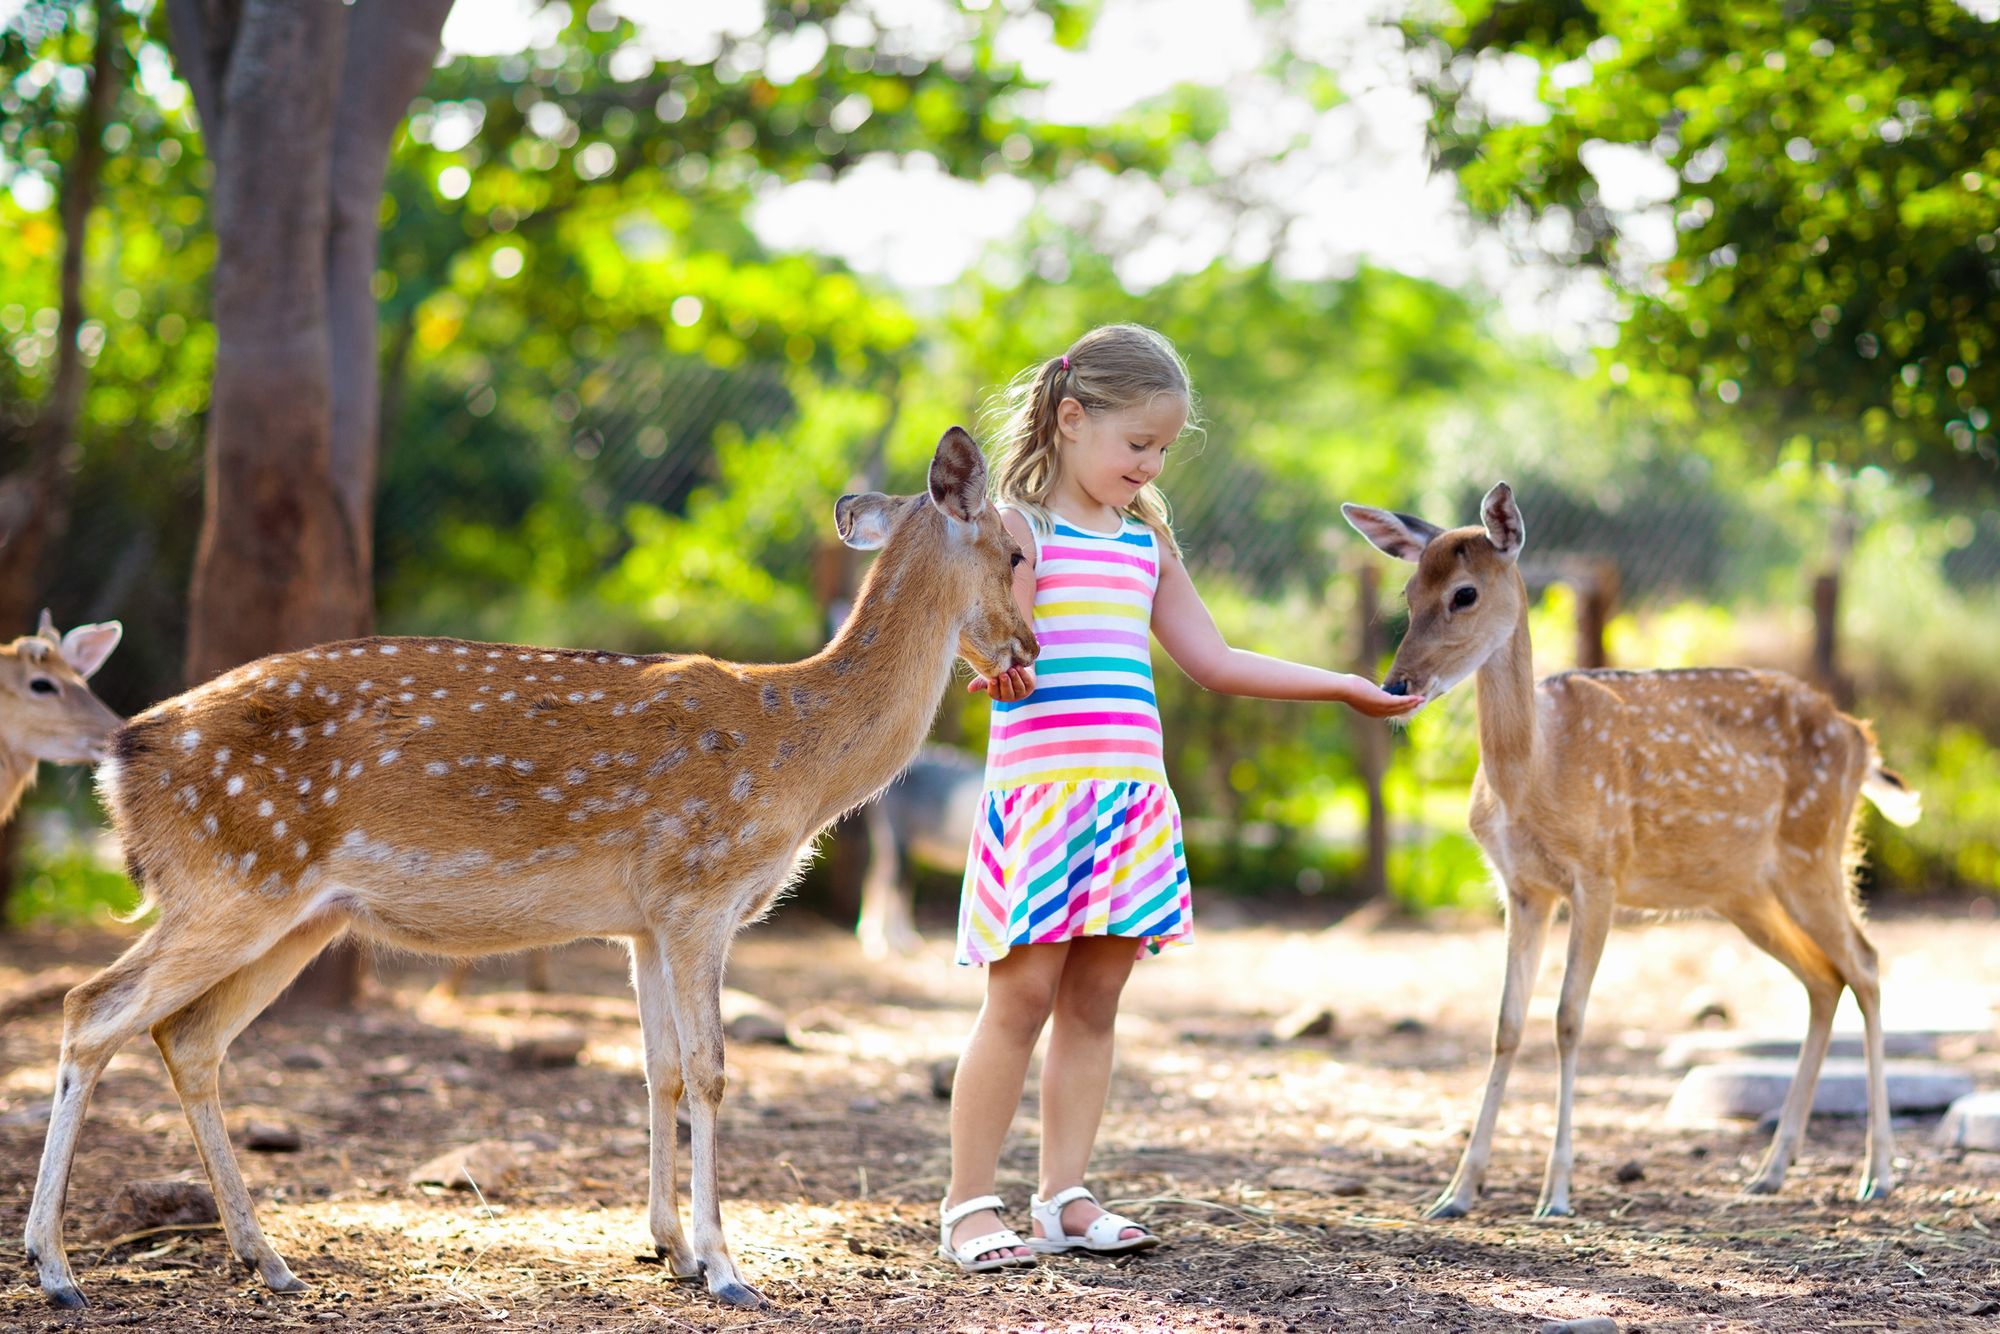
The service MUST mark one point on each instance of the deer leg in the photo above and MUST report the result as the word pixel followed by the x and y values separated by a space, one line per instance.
pixel 1527 929
pixel 884 925
pixel 663 1094
pixel 1849 957
pixel 694 972
pixel 192 1040
pixel 1773 930
pixel 168 967
pixel 1589 925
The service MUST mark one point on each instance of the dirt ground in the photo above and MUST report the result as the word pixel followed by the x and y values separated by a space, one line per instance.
pixel 1288 1177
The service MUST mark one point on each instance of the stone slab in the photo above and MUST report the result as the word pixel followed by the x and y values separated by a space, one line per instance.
pixel 1972 1122
pixel 1711 1045
pixel 1752 1089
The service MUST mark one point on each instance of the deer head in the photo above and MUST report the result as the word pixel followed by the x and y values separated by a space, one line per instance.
pixel 1466 598
pixel 47 712
pixel 967 556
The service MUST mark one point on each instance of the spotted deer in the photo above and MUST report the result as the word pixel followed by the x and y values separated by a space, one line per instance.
pixel 47 711
pixel 1721 790
pixel 461 798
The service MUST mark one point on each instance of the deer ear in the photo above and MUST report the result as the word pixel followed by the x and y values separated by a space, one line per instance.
pixel 864 521
pixel 87 646
pixel 958 476
pixel 1403 536
pixel 1502 518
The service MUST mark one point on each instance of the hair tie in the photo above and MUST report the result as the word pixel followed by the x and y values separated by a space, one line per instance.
pixel 1065 361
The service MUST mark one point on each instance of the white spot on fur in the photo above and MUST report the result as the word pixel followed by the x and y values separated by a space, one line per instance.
pixel 190 739
pixel 390 650
pixel 328 797
pixel 389 756
pixel 437 768
pixel 234 787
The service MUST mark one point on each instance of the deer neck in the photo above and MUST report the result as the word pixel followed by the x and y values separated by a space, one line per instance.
pixel 883 674
pixel 1508 738
pixel 17 775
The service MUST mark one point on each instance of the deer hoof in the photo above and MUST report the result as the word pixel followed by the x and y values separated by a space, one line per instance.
pixel 1546 1209
pixel 1448 1207
pixel 732 1293
pixel 64 1295
pixel 1872 1189
pixel 681 1268
pixel 1768 1186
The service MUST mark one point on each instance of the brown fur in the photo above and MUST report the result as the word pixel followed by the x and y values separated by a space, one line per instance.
pixel 1721 790
pixel 464 798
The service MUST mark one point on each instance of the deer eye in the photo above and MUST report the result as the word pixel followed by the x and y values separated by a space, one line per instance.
pixel 41 685
pixel 1464 597
pixel 1014 560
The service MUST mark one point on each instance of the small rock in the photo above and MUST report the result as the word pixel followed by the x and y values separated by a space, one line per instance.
pixel 488 1164
pixel 1595 1324
pixel 1627 1173
pixel 306 1056
pixel 943 1071
pixel 1706 1009
pixel 1988 1307
pixel 864 1105
pixel 140 1205
pixel 540 1140
pixel 1311 1020
pixel 271 1137
pixel 554 1050
pixel 816 1019
pixel 747 1019
pixel 1409 1025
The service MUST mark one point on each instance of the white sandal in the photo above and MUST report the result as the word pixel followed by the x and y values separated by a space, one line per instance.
pixel 966 1254
pixel 1099 1238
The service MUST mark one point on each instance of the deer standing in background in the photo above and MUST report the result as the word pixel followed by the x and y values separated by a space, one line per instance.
pixel 1722 790
pixel 927 814
pixel 46 709
pixel 459 798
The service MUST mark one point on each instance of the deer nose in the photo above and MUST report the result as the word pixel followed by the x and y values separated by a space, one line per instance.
pixel 1396 688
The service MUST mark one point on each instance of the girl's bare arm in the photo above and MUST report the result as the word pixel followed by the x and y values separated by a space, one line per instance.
pixel 1182 624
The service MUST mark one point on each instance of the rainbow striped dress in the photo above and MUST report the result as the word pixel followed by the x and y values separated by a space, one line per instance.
pixel 1078 833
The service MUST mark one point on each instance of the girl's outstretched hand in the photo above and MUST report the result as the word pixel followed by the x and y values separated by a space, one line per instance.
pixel 1009 687
pixel 1370 699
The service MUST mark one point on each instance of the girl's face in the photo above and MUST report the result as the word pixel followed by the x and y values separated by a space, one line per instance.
pixel 1110 455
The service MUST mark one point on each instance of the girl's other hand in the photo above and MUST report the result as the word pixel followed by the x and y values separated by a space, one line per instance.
pixel 1009 687
pixel 1370 699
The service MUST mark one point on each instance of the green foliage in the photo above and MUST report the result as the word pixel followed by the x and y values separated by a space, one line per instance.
pixel 71 887
pixel 1835 188
pixel 1443 871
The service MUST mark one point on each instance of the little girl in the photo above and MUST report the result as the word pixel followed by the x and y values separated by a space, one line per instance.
pixel 1076 866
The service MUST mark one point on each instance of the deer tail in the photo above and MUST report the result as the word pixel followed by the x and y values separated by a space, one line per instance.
pixel 1899 803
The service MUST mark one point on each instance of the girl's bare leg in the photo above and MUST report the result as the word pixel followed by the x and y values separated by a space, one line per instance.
pixel 1076 1073
pixel 985 1093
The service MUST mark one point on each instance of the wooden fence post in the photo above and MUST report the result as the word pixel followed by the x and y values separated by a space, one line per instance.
pixel 1596 584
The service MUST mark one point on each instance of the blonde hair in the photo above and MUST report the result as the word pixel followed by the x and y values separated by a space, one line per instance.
pixel 1114 366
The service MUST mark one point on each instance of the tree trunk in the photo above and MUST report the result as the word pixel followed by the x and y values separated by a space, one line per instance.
pixel 299 136
pixel 34 502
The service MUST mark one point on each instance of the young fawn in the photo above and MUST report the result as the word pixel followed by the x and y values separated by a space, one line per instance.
pixel 1729 791
pixel 46 709
pixel 458 798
